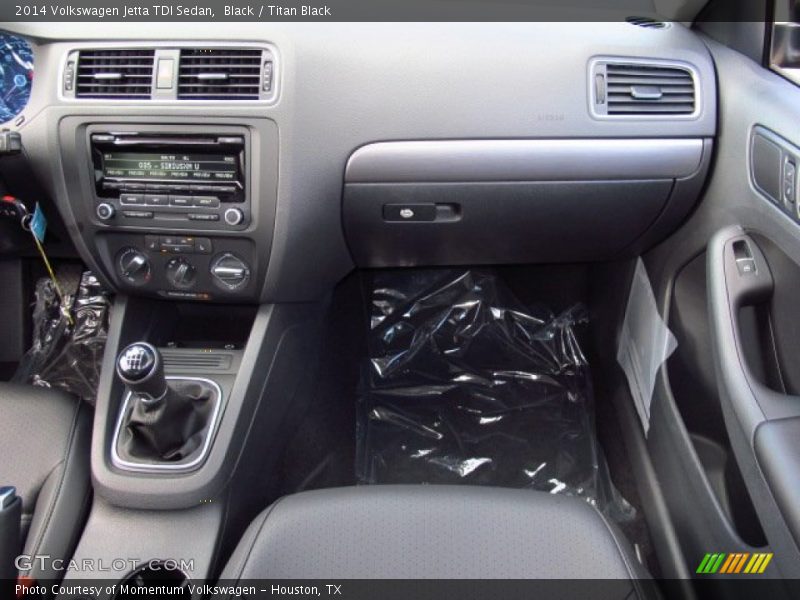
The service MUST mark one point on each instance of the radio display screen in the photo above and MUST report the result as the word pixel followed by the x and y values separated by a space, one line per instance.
pixel 170 167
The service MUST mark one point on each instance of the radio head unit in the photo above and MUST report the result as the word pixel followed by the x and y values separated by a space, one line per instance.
pixel 129 162
pixel 170 180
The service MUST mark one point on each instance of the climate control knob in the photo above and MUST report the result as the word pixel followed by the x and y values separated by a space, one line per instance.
pixel 181 273
pixel 230 272
pixel 134 266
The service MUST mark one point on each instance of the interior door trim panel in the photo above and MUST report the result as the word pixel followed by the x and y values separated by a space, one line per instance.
pixel 773 169
pixel 754 96
pixel 776 447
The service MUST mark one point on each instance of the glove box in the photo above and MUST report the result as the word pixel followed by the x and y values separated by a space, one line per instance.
pixel 516 201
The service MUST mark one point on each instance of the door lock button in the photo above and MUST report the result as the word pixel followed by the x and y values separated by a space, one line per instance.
pixel 746 266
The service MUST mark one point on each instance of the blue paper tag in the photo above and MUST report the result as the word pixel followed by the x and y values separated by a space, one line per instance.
pixel 38 223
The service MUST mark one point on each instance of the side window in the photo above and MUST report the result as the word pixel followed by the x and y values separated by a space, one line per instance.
pixel 784 55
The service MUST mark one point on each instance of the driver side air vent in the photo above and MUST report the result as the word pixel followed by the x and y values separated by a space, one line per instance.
pixel 643 89
pixel 115 73
pixel 224 73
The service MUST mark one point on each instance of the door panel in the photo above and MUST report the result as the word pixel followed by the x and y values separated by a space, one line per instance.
pixel 751 320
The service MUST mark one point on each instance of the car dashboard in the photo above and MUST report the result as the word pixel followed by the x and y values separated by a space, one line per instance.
pixel 264 164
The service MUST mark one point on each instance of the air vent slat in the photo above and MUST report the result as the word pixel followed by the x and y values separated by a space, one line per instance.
pixel 647 89
pixel 646 72
pixel 220 74
pixel 647 22
pixel 115 73
pixel 222 65
pixel 677 89
pixel 654 109
pixel 619 99
pixel 613 80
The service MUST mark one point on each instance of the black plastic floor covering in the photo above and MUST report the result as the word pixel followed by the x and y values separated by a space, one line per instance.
pixel 463 384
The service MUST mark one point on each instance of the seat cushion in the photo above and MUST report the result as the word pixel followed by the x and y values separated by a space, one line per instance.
pixel 441 532
pixel 46 435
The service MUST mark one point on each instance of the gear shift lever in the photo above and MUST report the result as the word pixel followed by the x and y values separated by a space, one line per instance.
pixel 166 422
pixel 141 368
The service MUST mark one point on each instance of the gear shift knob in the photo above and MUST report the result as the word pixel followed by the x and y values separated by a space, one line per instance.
pixel 141 368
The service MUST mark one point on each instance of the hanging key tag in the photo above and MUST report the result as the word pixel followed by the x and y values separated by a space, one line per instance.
pixel 37 225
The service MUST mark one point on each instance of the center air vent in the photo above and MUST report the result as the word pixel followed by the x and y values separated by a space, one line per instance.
pixel 115 74
pixel 223 74
pixel 643 89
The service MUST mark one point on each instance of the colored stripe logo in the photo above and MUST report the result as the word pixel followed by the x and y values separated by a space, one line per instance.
pixel 734 563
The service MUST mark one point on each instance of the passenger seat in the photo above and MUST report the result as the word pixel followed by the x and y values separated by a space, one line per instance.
pixel 434 532
pixel 46 437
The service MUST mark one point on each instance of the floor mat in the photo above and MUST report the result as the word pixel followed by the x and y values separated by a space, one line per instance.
pixel 465 385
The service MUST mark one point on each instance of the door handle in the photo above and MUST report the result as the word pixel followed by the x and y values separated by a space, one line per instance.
pixel 739 276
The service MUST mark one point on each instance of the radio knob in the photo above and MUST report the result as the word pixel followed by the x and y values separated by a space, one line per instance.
pixel 105 211
pixel 233 216
pixel 181 273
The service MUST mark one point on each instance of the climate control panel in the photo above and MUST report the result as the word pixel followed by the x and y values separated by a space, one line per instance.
pixel 183 267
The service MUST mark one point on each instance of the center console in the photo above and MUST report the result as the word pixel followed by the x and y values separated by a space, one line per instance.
pixel 200 373
pixel 174 210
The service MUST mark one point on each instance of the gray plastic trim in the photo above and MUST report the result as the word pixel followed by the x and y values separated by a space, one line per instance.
pixel 137 467
pixel 524 160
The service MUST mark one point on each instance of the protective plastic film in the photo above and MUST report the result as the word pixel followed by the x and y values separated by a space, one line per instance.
pixel 465 385
pixel 64 355
pixel 645 343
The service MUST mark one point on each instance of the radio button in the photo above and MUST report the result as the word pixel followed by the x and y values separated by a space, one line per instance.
pixel 206 201
pixel 131 199
pixel 203 217
pixel 156 199
pixel 132 187
pixel 138 214
pixel 105 211
pixel 181 201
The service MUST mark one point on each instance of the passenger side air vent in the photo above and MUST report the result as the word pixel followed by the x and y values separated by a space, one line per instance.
pixel 224 74
pixel 643 89
pixel 115 74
